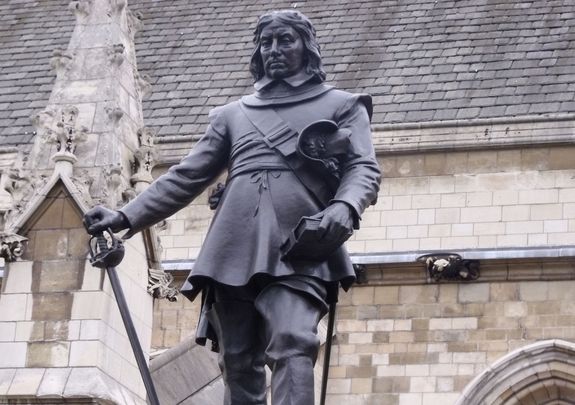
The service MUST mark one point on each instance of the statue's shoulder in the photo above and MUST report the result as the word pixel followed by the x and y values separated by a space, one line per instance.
pixel 346 100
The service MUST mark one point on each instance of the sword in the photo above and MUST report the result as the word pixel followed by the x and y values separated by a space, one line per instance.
pixel 327 354
pixel 107 253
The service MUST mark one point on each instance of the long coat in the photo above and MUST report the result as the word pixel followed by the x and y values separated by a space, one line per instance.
pixel 263 199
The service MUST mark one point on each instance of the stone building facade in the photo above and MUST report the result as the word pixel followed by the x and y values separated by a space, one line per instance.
pixel 474 130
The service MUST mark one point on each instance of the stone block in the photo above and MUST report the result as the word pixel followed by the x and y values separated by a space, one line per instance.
pixel 505 197
pixel 14 307
pixel 411 399
pixel 386 295
pixel 426 201
pixel 53 382
pixel 85 353
pixel 546 211
pixel 6 377
pixel 447 216
pixel 440 323
pixel 7 331
pixel 480 214
pixel 47 354
pixel 26 382
pixel 19 277
pixel 426 216
pixel 361 385
pixel 52 306
pixel 58 275
pixel 418 294
pixel 338 386
pixel 549 196
pixel 464 323
pixel 51 244
pixel 533 291
pixel 422 384
pixel 523 227
pixel 87 305
pixel 362 295
pixel 477 292
pixel 454 200
pixel 503 292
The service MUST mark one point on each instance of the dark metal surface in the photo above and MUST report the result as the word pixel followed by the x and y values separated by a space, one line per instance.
pixel 327 354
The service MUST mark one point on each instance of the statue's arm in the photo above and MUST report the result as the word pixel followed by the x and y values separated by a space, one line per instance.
pixel 182 183
pixel 360 174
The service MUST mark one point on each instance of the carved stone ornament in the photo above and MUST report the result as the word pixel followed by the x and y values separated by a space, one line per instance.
pixel 61 128
pixel 117 6
pixel 81 8
pixel 159 285
pixel 115 114
pixel 116 54
pixel 450 266
pixel 142 84
pixel 135 23
pixel 60 61
pixel 11 246
pixel 145 158
pixel 21 182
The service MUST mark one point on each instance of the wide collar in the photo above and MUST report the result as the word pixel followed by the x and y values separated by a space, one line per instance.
pixel 299 87
pixel 294 81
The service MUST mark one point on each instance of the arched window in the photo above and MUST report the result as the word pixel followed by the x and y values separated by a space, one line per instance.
pixel 542 373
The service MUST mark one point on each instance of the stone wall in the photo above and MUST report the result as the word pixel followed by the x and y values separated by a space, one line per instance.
pixel 422 344
pixel 472 199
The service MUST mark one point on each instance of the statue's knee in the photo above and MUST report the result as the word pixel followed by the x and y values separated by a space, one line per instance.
pixel 288 343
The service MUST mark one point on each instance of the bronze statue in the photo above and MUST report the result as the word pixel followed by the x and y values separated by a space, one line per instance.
pixel 260 305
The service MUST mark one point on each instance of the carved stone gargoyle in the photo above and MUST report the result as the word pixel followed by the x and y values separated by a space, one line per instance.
pixel 450 266
pixel 11 246
pixel 159 285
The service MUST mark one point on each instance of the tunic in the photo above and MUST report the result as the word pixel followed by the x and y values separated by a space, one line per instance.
pixel 263 199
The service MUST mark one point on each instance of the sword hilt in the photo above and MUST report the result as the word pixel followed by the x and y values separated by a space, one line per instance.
pixel 106 250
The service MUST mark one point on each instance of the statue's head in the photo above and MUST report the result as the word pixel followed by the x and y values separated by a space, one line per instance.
pixel 299 44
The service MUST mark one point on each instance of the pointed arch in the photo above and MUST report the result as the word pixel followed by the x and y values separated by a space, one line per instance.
pixel 541 373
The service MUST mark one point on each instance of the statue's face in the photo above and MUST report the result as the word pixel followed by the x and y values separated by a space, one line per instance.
pixel 282 50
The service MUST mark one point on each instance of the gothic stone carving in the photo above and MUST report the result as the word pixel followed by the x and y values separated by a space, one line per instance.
pixel 450 266
pixel 159 285
pixel 11 246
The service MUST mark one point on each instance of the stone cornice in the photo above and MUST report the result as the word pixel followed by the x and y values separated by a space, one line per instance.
pixel 474 134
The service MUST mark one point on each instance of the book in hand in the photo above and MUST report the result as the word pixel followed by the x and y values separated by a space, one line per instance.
pixel 304 242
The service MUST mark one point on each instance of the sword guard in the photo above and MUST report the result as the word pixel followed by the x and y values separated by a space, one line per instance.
pixel 106 250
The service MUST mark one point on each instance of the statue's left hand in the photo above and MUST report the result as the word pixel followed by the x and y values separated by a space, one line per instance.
pixel 336 222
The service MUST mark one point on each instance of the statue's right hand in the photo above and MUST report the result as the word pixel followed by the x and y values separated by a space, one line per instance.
pixel 100 218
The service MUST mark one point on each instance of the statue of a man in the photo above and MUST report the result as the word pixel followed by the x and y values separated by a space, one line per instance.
pixel 261 306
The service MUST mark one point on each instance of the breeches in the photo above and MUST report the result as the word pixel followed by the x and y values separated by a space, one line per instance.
pixel 274 326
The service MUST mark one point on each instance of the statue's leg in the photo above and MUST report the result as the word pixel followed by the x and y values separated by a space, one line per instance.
pixel 241 357
pixel 290 319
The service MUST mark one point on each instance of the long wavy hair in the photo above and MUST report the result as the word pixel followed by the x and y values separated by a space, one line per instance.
pixel 303 26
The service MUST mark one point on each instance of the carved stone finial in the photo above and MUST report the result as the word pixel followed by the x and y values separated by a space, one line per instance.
pixel 115 114
pixel 11 246
pixel 60 60
pixel 118 5
pixel 143 84
pixel 159 285
pixel 135 22
pixel 450 266
pixel 116 54
pixel 65 134
pixel 21 183
pixel 80 7
pixel 144 160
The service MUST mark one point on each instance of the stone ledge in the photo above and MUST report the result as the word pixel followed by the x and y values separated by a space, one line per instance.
pixel 63 386
pixel 474 134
